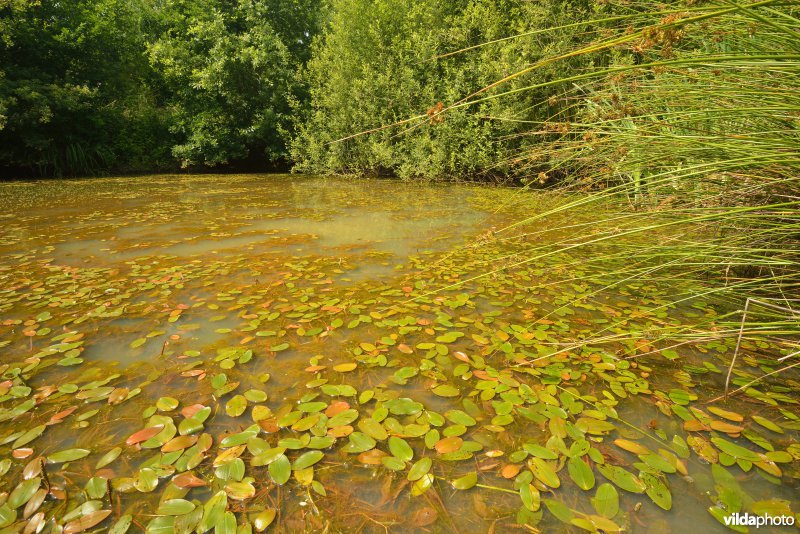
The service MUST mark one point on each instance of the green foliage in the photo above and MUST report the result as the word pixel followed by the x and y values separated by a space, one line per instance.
pixel 228 75
pixel 71 82
pixel 129 85
pixel 691 112
pixel 380 63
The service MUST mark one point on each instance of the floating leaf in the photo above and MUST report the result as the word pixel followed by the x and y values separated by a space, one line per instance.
pixel 450 444
pixel 622 478
pixel 466 482
pixel 420 467
pixel 68 455
pixel 631 446
pixel 236 406
pixel 23 492
pixel 657 489
pixel 531 498
pixel 280 470
pixel 400 449
pixel 606 500
pixel 122 525
pixel 446 390
pixel 307 459
pixel 730 416
pixel 737 451
pixel 581 473
pixel 264 519
pixel 213 511
pixel 544 472
pixel 766 423
pixel 86 522
pixel 175 507
pixel 359 442
pixel 188 480
pixel 108 457
pixel 144 434
pixel 167 404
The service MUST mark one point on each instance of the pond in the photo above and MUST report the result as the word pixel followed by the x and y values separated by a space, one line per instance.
pixel 185 353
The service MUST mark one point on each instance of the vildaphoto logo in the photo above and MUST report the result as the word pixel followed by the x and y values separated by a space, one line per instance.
pixel 749 520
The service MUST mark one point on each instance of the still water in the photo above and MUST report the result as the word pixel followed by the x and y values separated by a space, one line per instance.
pixel 240 353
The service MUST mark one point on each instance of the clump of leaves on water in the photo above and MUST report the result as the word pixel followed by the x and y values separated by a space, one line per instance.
pixel 265 390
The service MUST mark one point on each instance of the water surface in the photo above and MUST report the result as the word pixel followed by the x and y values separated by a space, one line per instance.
pixel 322 354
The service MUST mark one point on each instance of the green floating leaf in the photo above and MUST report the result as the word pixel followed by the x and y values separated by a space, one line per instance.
pixel 122 525
pixel 656 488
pixel 23 492
pixel 622 478
pixel 307 459
pixel 581 473
pixel 446 390
pixel 420 467
pixel 7 515
pixel 213 511
pixel 544 472
pixel 466 482
pixel 175 507
pixel 737 451
pixel 161 525
pixel 606 500
pixel 108 457
pixel 167 404
pixel 280 470
pixel 359 442
pixel 236 406
pixel 401 449
pixel 68 455
pixel 531 498
pixel 264 519
pixel 540 452
pixel 560 510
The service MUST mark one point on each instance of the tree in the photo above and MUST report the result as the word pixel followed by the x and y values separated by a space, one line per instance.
pixel 229 77
pixel 72 87
pixel 381 62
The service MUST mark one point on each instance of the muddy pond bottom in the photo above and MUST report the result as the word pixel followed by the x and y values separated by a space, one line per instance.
pixel 245 353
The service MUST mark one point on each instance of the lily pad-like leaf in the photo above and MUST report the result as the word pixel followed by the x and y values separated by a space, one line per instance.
pixel 359 442
pixel 280 470
pixel 86 522
pixel 544 472
pixel 307 459
pixel 401 449
pixel 531 498
pixel 264 519
pixel 68 455
pixel 606 500
pixel 446 390
pixel 175 507
pixel 420 467
pixel 213 511
pixel 466 482
pixel 236 406
pixel 622 478
pixel 657 489
pixel 581 473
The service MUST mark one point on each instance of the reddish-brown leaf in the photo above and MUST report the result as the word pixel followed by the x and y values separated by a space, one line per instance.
pixel 450 444
pixel 188 480
pixel 144 434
